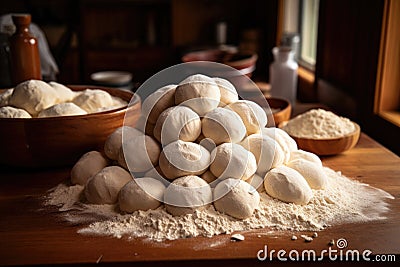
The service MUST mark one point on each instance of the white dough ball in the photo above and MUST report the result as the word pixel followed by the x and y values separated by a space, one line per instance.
pixel 103 187
pixel 62 109
pixel 118 102
pixel 266 150
pixel 198 92
pixel 113 143
pixel 313 173
pixel 186 195
pixel 158 101
pixel 257 182
pixel 64 94
pixel 182 158
pixel 92 100
pixel 252 115
pixel 223 126
pixel 301 154
pixel 287 143
pixel 236 198
pixel 141 194
pixel 11 112
pixel 5 97
pixel 139 154
pixel 88 165
pixel 33 96
pixel 227 90
pixel 287 185
pixel 231 160
pixel 177 123
pixel 209 177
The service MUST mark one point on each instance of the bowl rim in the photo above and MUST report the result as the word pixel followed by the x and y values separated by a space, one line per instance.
pixel 131 103
pixel 354 133
pixel 101 77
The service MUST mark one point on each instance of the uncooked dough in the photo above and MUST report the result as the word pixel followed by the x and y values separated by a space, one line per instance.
pixel 288 185
pixel 11 112
pixel 187 194
pixel 313 173
pixel 139 154
pixel 33 96
pixel 92 100
pixel 223 126
pixel 5 97
pixel 301 154
pixel 227 90
pixel 64 94
pixel 287 143
pixel 236 198
pixel 177 123
pixel 209 177
pixel 199 92
pixel 62 109
pixel 103 187
pixel 257 182
pixel 231 160
pixel 252 115
pixel 88 165
pixel 145 126
pixel 113 144
pixel 157 102
pixel 266 150
pixel 182 158
pixel 141 194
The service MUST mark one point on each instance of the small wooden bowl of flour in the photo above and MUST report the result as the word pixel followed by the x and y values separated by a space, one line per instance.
pixel 322 132
pixel 60 141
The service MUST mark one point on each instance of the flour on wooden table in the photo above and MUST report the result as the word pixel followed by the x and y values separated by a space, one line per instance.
pixel 343 201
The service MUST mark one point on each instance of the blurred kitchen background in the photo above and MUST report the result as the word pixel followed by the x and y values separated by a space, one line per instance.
pixel 348 52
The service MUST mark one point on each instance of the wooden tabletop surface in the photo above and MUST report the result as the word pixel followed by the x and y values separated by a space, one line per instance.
pixel 30 235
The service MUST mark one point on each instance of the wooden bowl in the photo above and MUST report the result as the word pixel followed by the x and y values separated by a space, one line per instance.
pixel 60 141
pixel 331 146
pixel 283 113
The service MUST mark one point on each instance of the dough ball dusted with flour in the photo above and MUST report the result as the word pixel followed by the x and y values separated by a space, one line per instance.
pixel 33 96
pixel 287 143
pixel 157 102
pixel 177 123
pixel 11 112
pixel 5 97
pixel 227 90
pixel 257 182
pixel 182 158
pixel 113 144
pixel 223 126
pixel 139 154
pixel 301 154
pixel 62 109
pixel 64 94
pixel 198 92
pixel 287 185
pixel 252 115
pixel 103 188
pixel 93 100
pixel 141 194
pixel 88 165
pixel 187 194
pixel 231 160
pixel 236 198
pixel 313 173
pixel 266 150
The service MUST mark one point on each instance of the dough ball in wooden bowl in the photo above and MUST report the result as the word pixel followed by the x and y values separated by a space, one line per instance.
pixel 103 188
pixel 223 126
pixel 93 100
pixel 11 112
pixel 198 92
pixel 141 194
pixel 182 158
pixel 187 194
pixel 62 109
pixel 236 198
pixel 177 123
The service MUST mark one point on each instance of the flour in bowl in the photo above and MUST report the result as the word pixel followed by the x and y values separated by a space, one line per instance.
pixel 319 124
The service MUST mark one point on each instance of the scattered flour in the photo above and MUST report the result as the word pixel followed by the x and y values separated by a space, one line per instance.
pixel 319 124
pixel 343 201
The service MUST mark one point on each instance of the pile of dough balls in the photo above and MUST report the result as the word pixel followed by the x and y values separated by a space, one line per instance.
pixel 196 146
pixel 35 98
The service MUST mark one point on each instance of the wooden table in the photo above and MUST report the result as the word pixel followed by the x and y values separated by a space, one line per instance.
pixel 29 235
